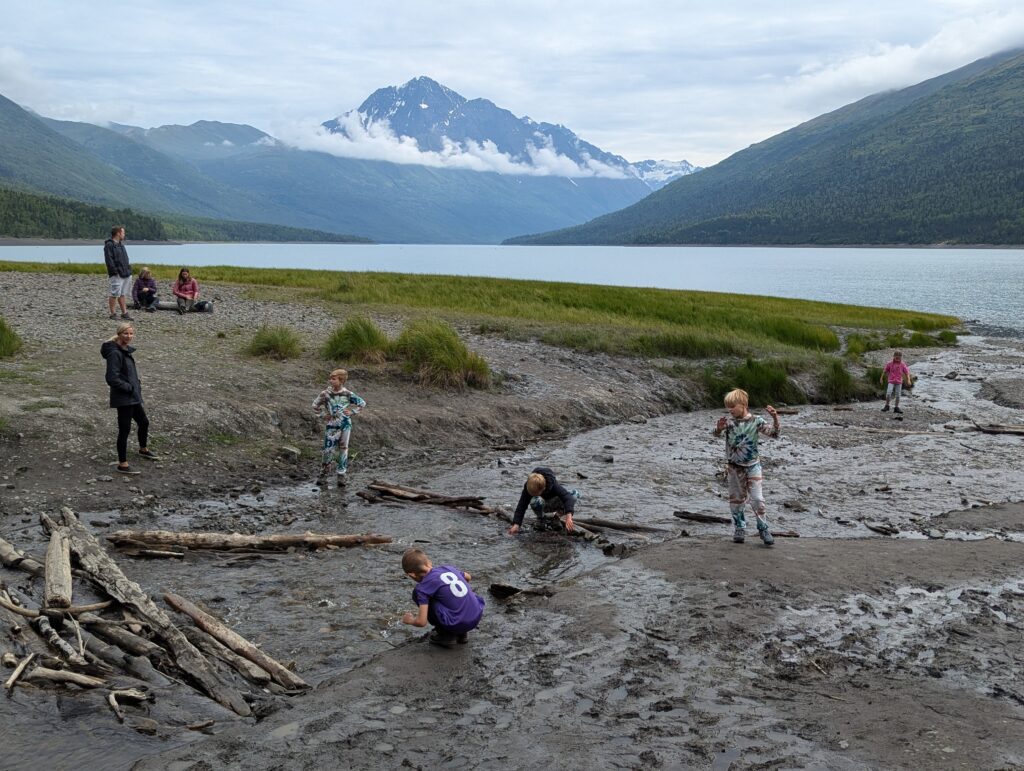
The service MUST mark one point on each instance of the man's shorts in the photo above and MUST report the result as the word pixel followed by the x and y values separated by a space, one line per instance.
pixel 120 287
pixel 894 390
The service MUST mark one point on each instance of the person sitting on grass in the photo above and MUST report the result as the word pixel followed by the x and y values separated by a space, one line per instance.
pixel 144 291
pixel 545 495
pixel 744 474
pixel 444 599
pixel 895 374
pixel 186 290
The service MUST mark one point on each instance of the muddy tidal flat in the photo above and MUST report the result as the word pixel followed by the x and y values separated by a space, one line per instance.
pixel 885 634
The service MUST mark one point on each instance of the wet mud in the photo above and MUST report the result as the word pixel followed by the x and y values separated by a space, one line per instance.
pixel 842 648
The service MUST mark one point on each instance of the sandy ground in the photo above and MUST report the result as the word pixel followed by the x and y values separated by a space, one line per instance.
pixel 841 649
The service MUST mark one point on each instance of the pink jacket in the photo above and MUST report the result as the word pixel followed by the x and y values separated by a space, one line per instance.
pixel 189 290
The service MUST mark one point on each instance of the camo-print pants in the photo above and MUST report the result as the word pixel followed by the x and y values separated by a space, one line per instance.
pixel 745 487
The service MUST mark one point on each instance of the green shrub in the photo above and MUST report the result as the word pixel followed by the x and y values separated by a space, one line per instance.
pixel 947 337
pixel 921 340
pixel 837 383
pixel 895 340
pixel 766 382
pixel 434 354
pixel 358 339
pixel 277 342
pixel 10 343
pixel 873 377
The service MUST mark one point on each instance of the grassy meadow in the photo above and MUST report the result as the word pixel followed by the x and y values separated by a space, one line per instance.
pixel 794 335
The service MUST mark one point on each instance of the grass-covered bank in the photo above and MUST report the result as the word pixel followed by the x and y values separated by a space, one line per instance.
pixel 801 336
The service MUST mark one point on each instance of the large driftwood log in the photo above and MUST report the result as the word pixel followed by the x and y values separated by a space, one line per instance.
pixel 14 559
pixel 57 592
pixel 213 647
pixel 999 428
pixel 105 572
pixel 612 525
pixel 693 516
pixel 73 610
pixel 63 676
pixel 227 541
pixel 235 642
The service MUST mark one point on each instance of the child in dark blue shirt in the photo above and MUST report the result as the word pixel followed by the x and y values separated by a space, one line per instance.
pixel 444 599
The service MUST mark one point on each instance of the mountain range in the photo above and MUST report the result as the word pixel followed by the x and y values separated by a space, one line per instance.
pixel 238 172
pixel 938 162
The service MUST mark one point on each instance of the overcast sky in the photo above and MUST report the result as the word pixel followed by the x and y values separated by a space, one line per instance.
pixel 692 80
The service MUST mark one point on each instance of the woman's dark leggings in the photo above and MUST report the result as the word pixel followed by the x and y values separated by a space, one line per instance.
pixel 125 416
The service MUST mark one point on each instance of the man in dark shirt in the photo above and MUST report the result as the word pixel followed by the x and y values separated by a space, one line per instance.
pixel 119 272
pixel 543 493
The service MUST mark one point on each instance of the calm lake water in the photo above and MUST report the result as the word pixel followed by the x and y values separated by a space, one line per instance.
pixel 983 285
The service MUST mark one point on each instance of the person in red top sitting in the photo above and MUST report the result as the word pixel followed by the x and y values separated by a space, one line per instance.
pixel 186 290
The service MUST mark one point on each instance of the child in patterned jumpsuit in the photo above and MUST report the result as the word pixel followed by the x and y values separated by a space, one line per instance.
pixel 744 473
pixel 336 404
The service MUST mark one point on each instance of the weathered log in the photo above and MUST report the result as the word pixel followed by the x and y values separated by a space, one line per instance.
pixel 503 591
pixel 369 496
pixel 612 525
pixel 42 625
pixel 999 428
pixel 785 533
pixel 73 610
pixel 14 559
pixel 105 652
pixel 213 647
pixel 57 591
pixel 235 641
pixel 787 410
pixel 105 572
pixel 63 676
pixel 693 516
pixel 225 541
pixel 9 684
pixel 112 701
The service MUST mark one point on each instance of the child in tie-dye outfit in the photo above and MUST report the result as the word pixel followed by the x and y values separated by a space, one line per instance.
pixel 742 432
pixel 336 404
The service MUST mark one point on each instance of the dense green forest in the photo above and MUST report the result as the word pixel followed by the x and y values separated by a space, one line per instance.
pixel 26 215
pixel 936 163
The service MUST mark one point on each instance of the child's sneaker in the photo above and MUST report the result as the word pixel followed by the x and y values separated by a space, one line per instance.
pixel 342 480
pixel 766 537
pixel 885 408
pixel 739 535
pixel 441 638
pixel 897 411
pixel 463 638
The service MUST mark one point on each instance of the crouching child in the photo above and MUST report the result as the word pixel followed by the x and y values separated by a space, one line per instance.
pixel 444 598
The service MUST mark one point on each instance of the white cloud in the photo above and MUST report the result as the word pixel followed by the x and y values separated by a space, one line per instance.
pixel 376 141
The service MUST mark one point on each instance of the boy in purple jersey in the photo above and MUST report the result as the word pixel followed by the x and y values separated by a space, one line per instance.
pixel 444 599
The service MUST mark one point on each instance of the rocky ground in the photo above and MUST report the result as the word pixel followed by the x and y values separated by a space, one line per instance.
pixel 843 648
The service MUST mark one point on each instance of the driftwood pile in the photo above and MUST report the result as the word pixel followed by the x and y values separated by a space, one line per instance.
pixel 128 644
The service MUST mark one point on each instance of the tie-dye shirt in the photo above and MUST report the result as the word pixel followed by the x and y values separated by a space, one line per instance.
pixel 741 436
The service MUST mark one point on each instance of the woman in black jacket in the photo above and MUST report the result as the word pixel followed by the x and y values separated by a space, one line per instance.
pixel 126 395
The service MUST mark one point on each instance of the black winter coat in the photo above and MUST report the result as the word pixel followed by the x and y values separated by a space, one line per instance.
pixel 122 377
pixel 116 257
pixel 552 489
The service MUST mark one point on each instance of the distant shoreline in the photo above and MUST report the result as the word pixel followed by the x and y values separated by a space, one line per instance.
pixel 9 241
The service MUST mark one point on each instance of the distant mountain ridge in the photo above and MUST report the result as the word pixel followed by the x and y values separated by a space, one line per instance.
pixel 938 162
pixel 438 119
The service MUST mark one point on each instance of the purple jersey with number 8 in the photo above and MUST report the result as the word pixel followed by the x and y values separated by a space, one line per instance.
pixel 452 603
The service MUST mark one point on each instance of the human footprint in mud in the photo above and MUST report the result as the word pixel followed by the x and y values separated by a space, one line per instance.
pixel 742 431
pixel 543 493
pixel 444 598
pixel 336 405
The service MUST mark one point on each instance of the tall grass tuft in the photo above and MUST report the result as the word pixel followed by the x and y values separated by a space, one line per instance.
pixel 10 343
pixel 435 355
pixel 274 342
pixel 837 383
pixel 358 339
pixel 766 382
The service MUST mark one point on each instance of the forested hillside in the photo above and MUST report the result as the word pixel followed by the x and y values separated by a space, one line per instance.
pixel 25 215
pixel 939 162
